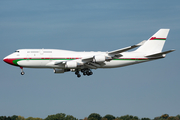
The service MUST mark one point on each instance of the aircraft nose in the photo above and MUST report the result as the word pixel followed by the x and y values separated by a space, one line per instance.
pixel 9 61
pixel 5 60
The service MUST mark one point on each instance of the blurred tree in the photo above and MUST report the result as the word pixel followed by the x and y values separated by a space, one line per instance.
pixel 178 117
pixel 128 117
pixel 31 118
pixel 165 116
pixel 70 117
pixel 104 118
pixel 171 118
pixel 8 118
pixel 109 117
pixel 135 118
pixel 1 117
pixel 60 116
pixel 14 117
pixel 94 116
pixel 156 118
pixel 125 117
pixel 20 118
pixel 117 118
pixel 145 119
pixel 85 118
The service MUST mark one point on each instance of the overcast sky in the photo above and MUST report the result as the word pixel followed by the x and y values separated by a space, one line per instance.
pixel 146 90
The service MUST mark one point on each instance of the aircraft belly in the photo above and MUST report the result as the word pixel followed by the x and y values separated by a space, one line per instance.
pixel 118 63
pixel 39 64
pixel 33 63
pixel 51 64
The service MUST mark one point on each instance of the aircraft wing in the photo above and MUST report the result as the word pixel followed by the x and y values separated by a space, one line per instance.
pixel 121 50
pixel 117 52
pixel 89 60
pixel 60 63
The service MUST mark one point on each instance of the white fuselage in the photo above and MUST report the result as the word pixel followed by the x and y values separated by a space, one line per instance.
pixel 45 58
pixel 63 60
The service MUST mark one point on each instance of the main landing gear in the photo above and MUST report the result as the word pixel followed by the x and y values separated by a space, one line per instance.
pixel 22 72
pixel 78 74
pixel 86 71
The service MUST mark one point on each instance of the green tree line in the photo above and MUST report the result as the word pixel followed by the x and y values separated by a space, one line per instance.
pixel 92 116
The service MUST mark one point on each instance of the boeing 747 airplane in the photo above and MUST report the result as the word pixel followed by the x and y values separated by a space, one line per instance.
pixel 64 60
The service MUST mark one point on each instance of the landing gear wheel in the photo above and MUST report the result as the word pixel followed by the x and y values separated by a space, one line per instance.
pixel 22 73
pixel 87 73
pixel 78 75
pixel 90 73
pixel 77 72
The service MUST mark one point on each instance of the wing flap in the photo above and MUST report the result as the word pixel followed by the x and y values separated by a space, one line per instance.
pixel 60 63
pixel 87 59
pixel 90 66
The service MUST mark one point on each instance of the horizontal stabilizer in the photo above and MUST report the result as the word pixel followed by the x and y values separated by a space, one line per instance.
pixel 157 55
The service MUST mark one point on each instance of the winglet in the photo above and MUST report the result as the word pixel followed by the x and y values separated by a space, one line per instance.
pixel 141 43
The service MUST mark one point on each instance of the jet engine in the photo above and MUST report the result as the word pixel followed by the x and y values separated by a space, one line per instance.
pixel 59 71
pixel 101 58
pixel 71 64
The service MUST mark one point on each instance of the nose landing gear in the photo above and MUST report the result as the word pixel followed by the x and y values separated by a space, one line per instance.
pixel 22 72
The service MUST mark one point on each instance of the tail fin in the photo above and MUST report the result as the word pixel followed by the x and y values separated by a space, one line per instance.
pixel 155 43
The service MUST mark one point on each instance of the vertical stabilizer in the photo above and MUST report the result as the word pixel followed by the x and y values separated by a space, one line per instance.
pixel 155 43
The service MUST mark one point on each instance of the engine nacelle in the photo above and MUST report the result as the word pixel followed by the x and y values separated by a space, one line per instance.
pixel 99 58
pixel 71 64
pixel 59 71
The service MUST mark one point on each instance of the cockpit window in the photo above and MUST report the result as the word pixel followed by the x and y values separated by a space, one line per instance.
pixel 17 51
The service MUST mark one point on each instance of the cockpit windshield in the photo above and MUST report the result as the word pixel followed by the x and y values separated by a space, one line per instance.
pixel 17 51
